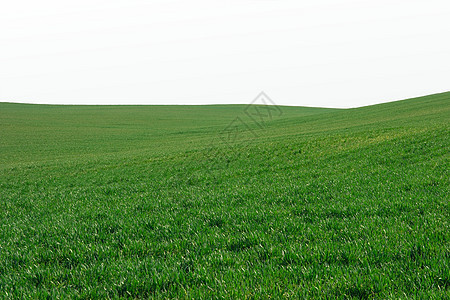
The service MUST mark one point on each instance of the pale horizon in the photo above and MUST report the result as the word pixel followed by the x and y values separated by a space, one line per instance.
pixel 326 53
pixel 219 104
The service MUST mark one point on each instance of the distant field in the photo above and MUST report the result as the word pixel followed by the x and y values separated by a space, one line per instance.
pixel 225 201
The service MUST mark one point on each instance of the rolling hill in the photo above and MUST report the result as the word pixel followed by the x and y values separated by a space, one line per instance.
pixel 229 201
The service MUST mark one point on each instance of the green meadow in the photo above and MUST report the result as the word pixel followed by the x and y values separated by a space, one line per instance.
pixel 225 201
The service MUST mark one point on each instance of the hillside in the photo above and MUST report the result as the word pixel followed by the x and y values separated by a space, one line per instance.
pixel 225 201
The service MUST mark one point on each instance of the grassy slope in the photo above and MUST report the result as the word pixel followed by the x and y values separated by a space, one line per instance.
pixel 141 201
pixel 44 132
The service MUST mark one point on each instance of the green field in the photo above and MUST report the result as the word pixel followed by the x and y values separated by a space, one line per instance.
pixel 212 202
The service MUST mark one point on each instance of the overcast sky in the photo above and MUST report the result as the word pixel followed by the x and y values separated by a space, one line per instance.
pixel 313 53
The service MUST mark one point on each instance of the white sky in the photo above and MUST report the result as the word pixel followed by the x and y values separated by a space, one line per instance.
pixel 313 53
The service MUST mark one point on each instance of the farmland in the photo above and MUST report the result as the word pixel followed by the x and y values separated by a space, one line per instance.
pixel 225 201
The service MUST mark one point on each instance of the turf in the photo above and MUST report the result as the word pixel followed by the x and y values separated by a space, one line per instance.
pixel 225 201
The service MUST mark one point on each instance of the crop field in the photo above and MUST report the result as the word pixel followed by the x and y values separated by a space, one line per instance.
pixel 225 201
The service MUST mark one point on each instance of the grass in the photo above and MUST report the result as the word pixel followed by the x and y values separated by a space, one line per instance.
pixel 207 202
